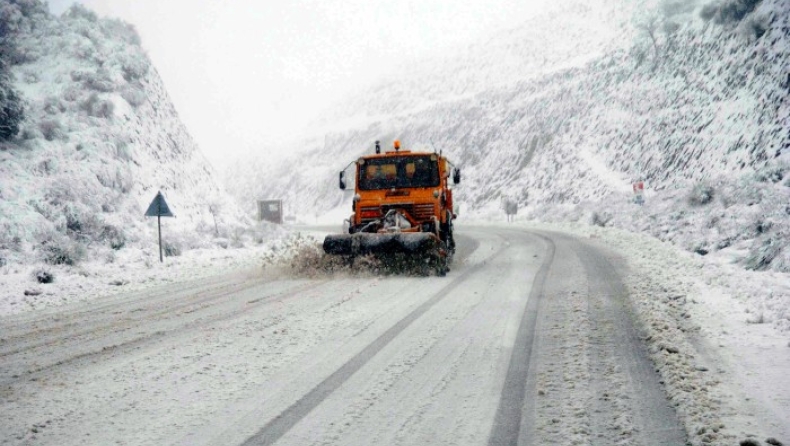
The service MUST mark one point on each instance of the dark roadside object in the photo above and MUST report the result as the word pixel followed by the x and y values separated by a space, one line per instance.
pixel 158 208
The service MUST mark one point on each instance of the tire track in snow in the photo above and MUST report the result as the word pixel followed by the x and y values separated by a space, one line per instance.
pixel 102 335
pixel 162 303
pixel 508 418
pixel 58 320
pixel 617 348
pixel 287 419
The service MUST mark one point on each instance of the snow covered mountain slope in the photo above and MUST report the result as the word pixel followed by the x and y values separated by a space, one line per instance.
pixel 579 31
pixel 688 98
pixel 99 139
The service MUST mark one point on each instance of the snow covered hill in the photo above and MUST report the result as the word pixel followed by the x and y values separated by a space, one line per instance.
pixel 99 139
pixel 690 98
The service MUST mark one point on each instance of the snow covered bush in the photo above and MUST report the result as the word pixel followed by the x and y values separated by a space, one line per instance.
pixel 754 26
pixel 763 254
pixel 12 110
pixel 43 275
pixel 99 80
pixel 122 150
pixel 54 105
pixel 113 236
pixel 118 28
pixel 134 95
pixel 700 195
pixel 119 178
pixel 171 248
pixel 97 107
pixel 708 11
pixel 599 219
pixel 132 64
pixel 728 11
pixel 772 173
pixel 57 249
pixel 51 129
pixel 8 240
pixel 81 223
pixel 77 11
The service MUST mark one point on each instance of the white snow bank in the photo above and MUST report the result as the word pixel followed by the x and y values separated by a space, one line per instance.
pixel 718 335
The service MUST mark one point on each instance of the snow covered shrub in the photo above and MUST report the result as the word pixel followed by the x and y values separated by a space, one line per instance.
pixel 47 167
pixel 51 129
pixel 99 80
pixel 119 28
pixel 43 275
pixel 30 77
pixel 122 150
pixel 601 220
pixel 672 8
pixel 82 224
pixel 119 179
pixel 771 174
pixel 114 236
pixel 54 105
pixel 12 110
pixel 134 95
pixel 133 64
pixel 171 249
pixel 728 11
pixel 700 195
pixel 758 318
pixel 98 107
pixel 61 250
pixel 71 93
pixel 708 11
pixel 754 26
pixel 77 11
pixel 8 239
pixel 763 254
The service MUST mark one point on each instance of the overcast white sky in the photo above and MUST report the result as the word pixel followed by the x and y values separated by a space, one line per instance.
pixel 248 73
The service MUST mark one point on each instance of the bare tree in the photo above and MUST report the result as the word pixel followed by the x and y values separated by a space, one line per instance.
pixel 650 27
pixel 214 208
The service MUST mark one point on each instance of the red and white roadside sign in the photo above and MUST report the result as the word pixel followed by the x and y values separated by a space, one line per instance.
pixel 639 192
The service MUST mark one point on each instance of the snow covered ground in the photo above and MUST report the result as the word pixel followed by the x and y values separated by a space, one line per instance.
pixel 125 271
pixel 722 363
pixel 718 334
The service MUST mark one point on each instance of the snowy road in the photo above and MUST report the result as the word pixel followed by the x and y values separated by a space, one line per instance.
pixel 528 340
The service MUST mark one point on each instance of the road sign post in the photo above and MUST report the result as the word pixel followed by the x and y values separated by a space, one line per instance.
pixel 158 208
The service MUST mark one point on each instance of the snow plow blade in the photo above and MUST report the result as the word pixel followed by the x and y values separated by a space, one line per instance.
pixel 368 243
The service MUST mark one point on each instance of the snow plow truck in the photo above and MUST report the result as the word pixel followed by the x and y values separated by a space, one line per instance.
pixel 402 210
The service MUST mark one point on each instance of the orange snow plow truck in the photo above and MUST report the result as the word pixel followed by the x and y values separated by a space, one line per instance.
pixel 402 209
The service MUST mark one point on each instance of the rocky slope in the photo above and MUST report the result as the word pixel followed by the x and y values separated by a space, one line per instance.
pixel 99 139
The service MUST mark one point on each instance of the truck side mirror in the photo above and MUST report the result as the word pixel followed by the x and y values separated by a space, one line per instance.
pixel 456 176
pixel 342 181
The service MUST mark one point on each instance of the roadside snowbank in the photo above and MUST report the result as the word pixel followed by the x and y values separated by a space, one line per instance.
pixel 718 335
pixel 131 270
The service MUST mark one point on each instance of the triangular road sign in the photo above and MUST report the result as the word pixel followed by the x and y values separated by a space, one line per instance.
pixel 158 207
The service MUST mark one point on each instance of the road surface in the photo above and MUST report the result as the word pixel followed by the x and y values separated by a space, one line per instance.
pixel 529 340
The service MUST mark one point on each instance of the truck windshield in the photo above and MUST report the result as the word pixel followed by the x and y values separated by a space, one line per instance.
pixel 398 172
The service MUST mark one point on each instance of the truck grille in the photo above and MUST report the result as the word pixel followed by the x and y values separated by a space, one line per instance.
pixel 420 212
